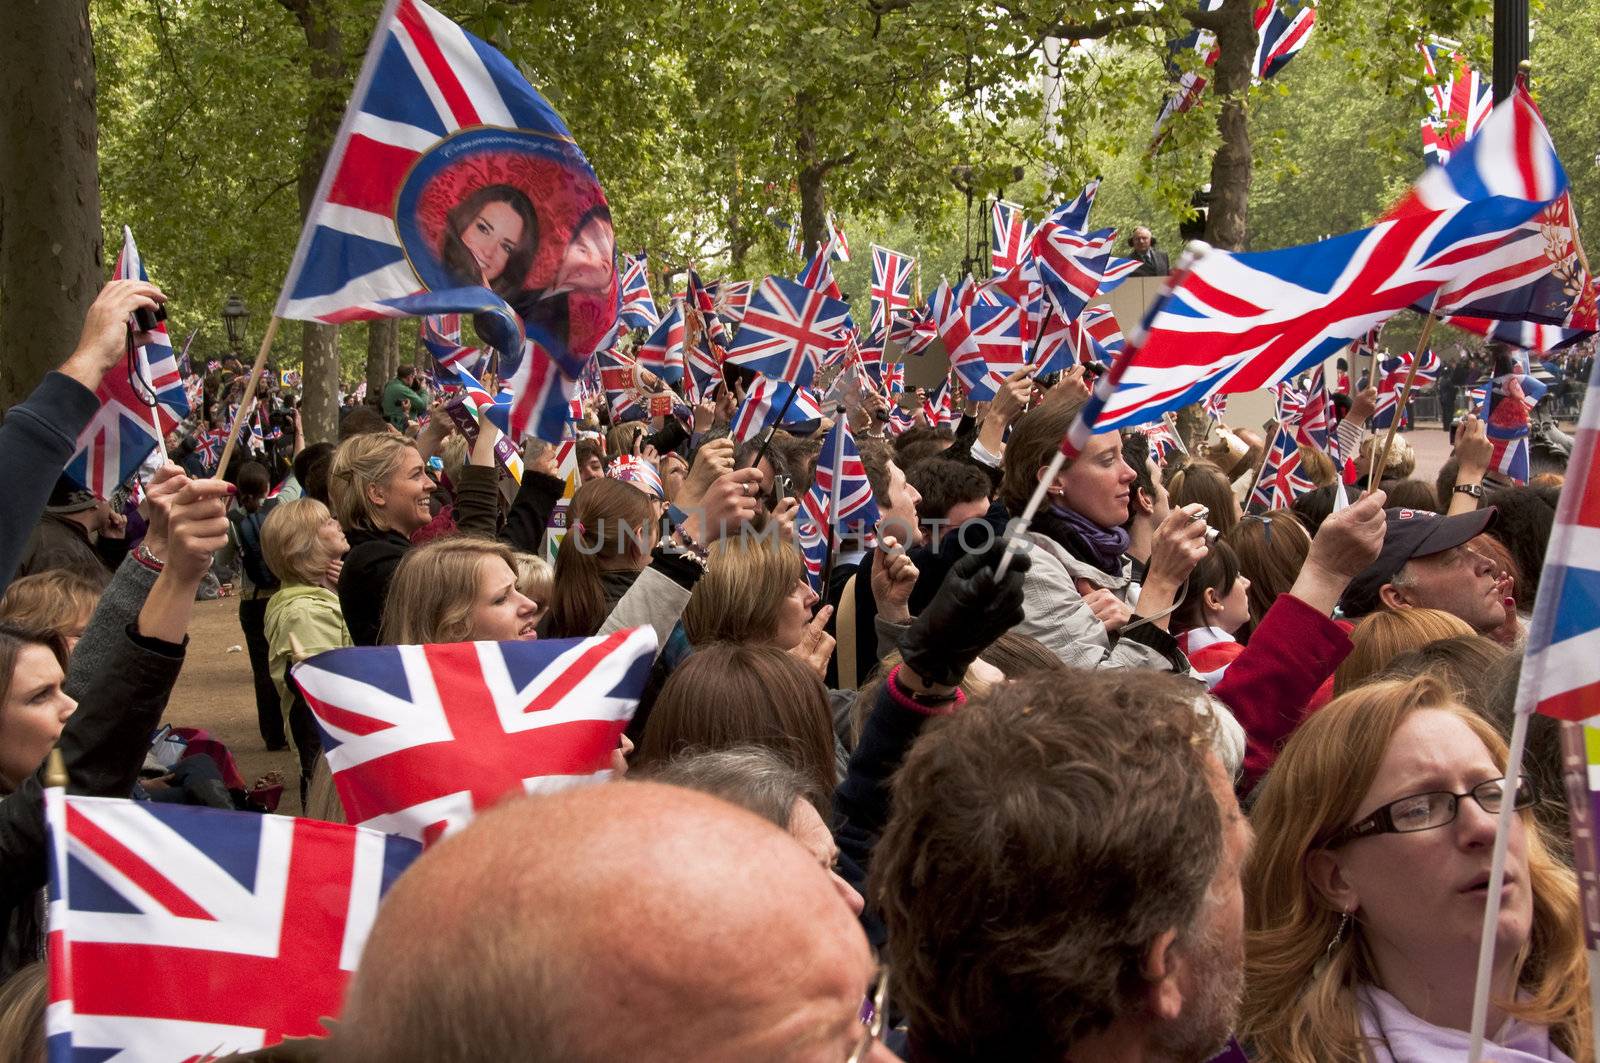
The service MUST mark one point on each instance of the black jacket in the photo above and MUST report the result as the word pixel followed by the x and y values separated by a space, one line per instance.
pixel 364 581
pixel 104 745
pixel 37 438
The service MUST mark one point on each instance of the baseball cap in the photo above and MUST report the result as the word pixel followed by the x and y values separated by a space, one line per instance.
pixel 1410 533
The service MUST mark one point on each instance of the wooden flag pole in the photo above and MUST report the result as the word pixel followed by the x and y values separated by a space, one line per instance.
pixel 1380 458
pixel 249 395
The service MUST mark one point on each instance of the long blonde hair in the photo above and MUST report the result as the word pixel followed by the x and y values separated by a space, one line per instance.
pixel 434 587
pixel 362 462
pixel 1298 1009
pixel 741 594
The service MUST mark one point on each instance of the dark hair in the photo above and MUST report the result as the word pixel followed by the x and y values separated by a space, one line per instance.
pixel 1136 453
pixel 254 483
pixel 1035 438
pixel 459 261
pixel 875 458
pixel 12 639
pixel 607 519
pixel 1444 485
pixel 920 442
pixel 1217 571
pixel 360 421
pixel 734 694
pixel 589 448
pixel 1411 494
pixel 1040 840
pixel 944 484
pixel 311 470
pixel 1203 482
pixel 1316 506
pixel 752 777
pixel 1271 547
pixel 1523 524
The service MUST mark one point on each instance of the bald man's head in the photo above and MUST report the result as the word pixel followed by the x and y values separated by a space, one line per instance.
pixel 626 921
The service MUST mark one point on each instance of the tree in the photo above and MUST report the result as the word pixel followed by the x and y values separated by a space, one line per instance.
pixel 51 262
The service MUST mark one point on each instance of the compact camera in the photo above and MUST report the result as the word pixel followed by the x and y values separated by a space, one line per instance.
pixel 146 319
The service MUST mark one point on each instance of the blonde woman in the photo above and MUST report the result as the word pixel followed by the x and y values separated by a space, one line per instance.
pixel 1365 891
pixel 59 601
pixel 754 591
pixel 1382 636
pixel 303 544
pixel 459 589
pixel 380 489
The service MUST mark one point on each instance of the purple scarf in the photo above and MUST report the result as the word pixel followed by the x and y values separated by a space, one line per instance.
pixel 1101 547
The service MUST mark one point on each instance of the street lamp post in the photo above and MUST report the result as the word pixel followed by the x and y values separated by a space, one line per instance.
pixel 1510 44
pixel 234 313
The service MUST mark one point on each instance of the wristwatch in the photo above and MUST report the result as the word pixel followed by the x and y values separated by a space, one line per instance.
pixel 1475 490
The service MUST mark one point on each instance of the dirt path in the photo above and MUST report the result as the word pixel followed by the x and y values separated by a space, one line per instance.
pixel 215 692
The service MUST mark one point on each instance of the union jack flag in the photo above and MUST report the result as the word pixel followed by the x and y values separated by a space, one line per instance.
pixel 1393 372
pixel 185 933
pixel 638 308
pixel 991 349
pixel 1526 335
pixel 476 402
pixel 368 246
pixel 1281 481
pixel 140 402
pixel 1092 337
pixel 1534 275
pixel 1281 31
pixel 730 298
pixel 818 273
pixel 1216 408
pixel 1164 441
pixel 1073 265
pixel 1009 236
pixel 208 445
pixel 891 285
pixel 1459 101
pixel 900 419
pixel 700 307
pixel 1281 34
pixel 841 246
pixel 915 331
pixel 787 330
pixel 663 351
pixel 1558 675
pixel 937 408
pixel 839 507
pixel 1238 322
pixel 441 336
pixel 420 738
pixel 771 403
pixel 1074 215
pixel 1314 426
pixel 632 469
pixel 619 377
pixel 1507 425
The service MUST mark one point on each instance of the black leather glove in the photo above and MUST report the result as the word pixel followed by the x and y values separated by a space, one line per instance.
pixel 970 610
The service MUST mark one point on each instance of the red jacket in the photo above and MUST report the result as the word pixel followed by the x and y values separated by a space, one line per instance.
pixel 1270 686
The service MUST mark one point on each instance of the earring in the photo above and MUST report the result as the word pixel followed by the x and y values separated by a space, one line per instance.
pixel 1327 955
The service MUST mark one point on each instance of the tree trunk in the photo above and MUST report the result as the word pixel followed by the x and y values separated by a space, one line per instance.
pixel 319 408
pixel 813 194
pixel 51 262
pixel 383 352
pixel 1228 223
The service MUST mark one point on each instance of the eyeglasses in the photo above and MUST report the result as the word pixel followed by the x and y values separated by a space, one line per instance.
pixel 874 1016
pixel 1427 811
pixel 1266 524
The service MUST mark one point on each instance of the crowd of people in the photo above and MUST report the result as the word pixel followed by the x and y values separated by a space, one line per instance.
pixel 1183 777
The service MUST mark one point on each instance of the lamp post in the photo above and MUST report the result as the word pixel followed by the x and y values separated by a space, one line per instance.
pixel 1510 44
pixel 234 313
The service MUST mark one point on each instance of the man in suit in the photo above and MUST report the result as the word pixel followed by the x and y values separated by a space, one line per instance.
pixel 1154 260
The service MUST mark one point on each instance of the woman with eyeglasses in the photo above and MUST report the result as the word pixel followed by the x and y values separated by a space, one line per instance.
pixel 1365 894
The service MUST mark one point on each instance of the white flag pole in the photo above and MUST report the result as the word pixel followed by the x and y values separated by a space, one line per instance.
pixel 1497 876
